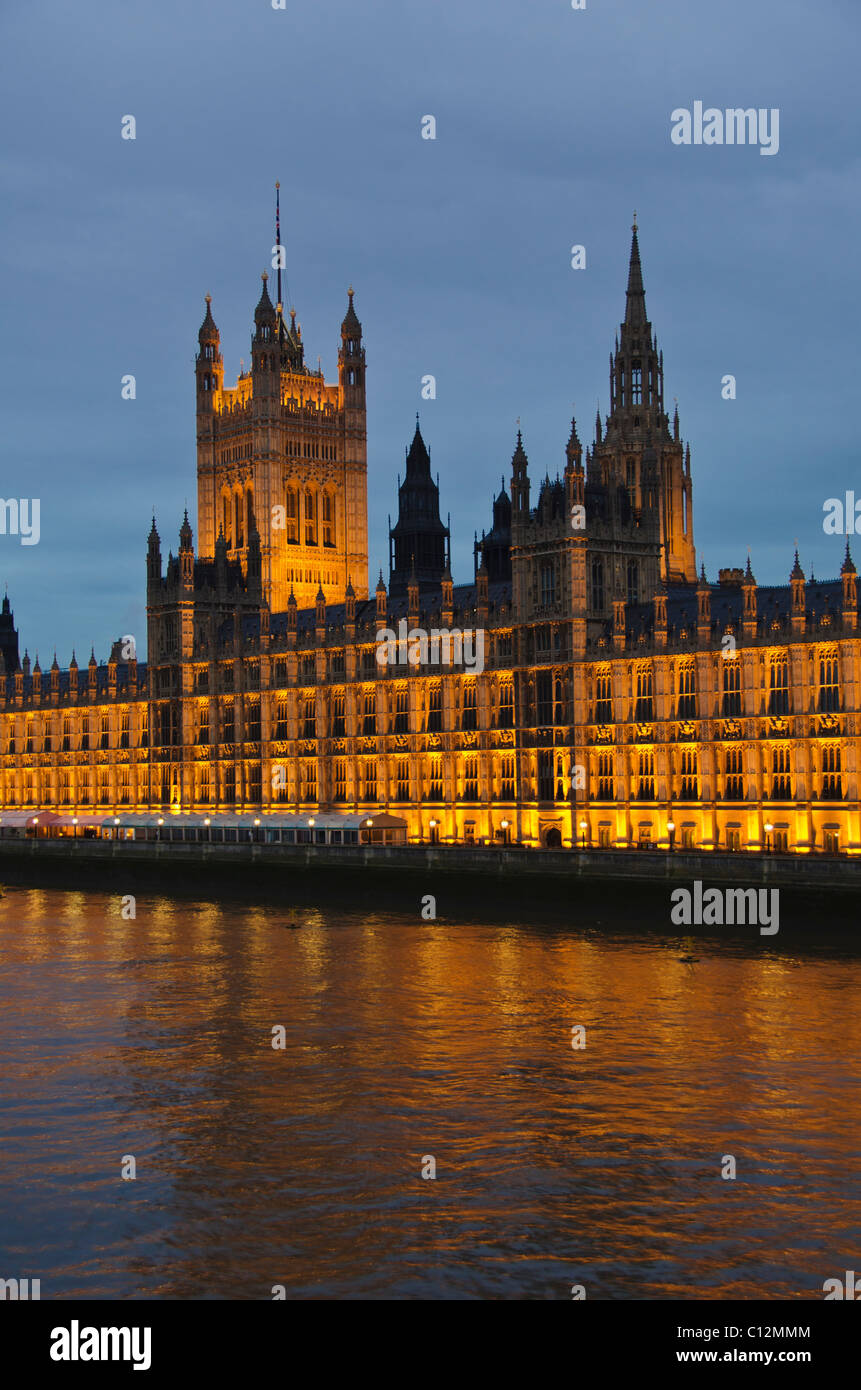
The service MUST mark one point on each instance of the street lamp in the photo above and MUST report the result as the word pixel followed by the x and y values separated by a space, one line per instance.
pixel 671 832
pixel 768 829
pixel 583 828
pixel 504 825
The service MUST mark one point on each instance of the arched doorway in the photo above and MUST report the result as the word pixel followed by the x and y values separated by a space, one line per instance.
pixel 553 838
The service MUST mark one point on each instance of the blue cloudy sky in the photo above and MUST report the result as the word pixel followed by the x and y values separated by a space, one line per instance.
pixel 552 126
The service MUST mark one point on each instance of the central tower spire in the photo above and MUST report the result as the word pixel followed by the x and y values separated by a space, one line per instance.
pixel 635 305
pixel 638 454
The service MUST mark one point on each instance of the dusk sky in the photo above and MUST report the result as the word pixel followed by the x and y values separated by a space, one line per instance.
pixel 553 125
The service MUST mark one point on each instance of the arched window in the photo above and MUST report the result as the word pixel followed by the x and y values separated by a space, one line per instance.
pixel 291 510
pixel 636 382
pixel 238 527
pixel 548 586
pixel 597 586
pixel 687 691
pixel 310 516
pixel 633 582
pixel 249 512
pixel 829 687
pixel 328 519
pixel 225 515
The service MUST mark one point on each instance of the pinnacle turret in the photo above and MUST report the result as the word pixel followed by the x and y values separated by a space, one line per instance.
pixel 208 331
pixel 351 327
pixel 265 311
pixel 848 566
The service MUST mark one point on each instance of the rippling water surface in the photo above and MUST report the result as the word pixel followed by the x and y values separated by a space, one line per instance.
pixel 302 1167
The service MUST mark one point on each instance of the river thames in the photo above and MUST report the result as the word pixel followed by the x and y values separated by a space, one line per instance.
pixel 406 1041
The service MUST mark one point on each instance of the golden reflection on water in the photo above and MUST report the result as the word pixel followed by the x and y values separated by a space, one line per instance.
pixel 153 1036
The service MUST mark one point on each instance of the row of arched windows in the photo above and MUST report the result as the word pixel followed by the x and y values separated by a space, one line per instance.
pixel 310 516
pixel 597 594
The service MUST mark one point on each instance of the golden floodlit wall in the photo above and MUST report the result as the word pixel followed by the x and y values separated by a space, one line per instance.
pixel 602 753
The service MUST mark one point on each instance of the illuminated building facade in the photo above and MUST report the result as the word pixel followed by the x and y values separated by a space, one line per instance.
pixel 621 700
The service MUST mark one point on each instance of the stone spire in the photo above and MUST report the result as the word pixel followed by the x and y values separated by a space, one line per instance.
pixel 418 538
pixel 635 301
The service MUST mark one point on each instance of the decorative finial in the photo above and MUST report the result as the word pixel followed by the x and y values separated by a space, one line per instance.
pixel 277 184
pixel 634 228
pixel 208 298
pixel 265 276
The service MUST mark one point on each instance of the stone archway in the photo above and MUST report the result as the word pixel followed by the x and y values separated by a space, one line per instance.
pixel 553 838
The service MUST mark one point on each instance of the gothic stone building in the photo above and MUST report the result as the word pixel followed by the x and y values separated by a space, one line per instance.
pixel 623 700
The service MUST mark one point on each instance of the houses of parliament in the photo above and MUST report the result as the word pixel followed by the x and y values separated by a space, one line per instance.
pixel 624 699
